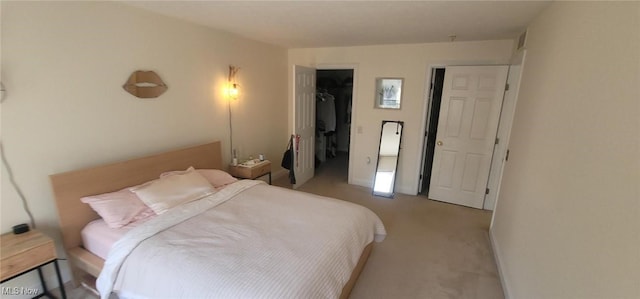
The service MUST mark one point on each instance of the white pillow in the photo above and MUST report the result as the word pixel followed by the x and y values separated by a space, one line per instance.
pixel 217 178
pixel 173 190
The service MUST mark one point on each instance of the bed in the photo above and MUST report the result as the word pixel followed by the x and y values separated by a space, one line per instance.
pixel 275 250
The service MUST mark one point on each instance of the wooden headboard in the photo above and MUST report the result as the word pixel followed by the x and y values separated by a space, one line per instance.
pixel 69 187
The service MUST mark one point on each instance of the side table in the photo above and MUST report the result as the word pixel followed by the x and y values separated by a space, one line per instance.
pixel 24 253
pixel 259 169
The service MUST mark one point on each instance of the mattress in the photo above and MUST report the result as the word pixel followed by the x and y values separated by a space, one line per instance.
pixel 98 237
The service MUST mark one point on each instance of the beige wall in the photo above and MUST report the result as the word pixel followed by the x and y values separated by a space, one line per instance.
pixel 567 223
pixel 64 65
pixel 411 62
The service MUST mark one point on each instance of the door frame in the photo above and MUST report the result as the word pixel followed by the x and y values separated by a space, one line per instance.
pixel 352 130
pixel 504 133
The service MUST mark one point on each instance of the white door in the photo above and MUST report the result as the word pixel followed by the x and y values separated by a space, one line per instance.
pixel 304 107
pixel 469 115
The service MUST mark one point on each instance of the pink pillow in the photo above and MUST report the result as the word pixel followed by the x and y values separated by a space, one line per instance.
pixel 118 208
pixel 217 178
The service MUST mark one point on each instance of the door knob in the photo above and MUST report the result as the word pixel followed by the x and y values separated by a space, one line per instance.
pixel 439 143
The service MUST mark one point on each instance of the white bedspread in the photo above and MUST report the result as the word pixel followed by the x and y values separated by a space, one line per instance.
pixel 249 240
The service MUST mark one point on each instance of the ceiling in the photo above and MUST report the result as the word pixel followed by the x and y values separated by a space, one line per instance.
pixel 311 24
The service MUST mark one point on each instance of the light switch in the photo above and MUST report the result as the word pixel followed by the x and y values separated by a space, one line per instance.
pixel 359 129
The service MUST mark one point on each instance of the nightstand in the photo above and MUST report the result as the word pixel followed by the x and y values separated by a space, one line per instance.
pixel 259 169
pixel 24 253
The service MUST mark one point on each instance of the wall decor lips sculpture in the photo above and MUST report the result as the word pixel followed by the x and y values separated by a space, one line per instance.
pixel 145 85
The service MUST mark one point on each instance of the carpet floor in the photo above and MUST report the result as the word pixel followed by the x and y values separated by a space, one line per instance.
pixel 432 250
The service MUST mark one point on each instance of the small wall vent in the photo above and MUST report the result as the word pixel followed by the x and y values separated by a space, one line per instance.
pixel 522 39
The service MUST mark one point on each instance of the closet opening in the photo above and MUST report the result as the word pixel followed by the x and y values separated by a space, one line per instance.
pixel 333 122
pixel 437 83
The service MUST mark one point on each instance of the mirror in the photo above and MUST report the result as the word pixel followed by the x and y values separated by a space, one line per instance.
pixel 388 93
pixel 388 155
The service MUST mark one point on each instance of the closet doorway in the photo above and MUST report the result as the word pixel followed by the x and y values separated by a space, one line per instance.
pixel 437 82
pixel 334 99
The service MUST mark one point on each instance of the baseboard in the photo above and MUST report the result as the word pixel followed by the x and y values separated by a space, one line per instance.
pixel 406 190
pixel 278 174
pixel 399 189
pixel 499 265
pixel 363 183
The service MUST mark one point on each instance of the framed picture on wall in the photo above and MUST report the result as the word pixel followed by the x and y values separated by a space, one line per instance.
pixel 388 93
